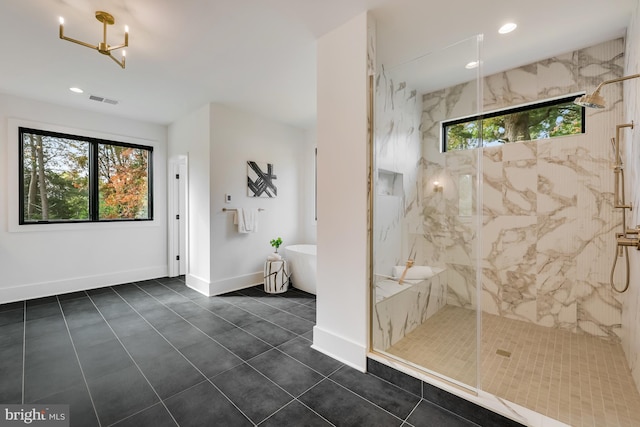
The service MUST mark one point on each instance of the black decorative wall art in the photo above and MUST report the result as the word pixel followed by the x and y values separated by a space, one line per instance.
pixel 260 178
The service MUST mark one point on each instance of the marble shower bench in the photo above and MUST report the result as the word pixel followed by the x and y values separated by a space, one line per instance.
pixel 399 309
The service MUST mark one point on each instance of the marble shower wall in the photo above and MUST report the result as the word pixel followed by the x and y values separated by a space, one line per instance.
pixel 399 231
pixel 397 224
pixel 631 157
pixel 547 239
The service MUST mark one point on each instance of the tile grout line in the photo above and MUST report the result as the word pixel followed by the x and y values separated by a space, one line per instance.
pixel 24 344
pixel 84 378
pixel 134 362
pixel 236 306
pixel 222 318
pixel 361 397
pixel 307 304
pixel 272 347
pixel 303 404
pixel 415 407
pixel 245 362
pixel 161 402
pixel 179 352
pixel 245 296
pixel 324 377
pixel 300 362
pixel 187 320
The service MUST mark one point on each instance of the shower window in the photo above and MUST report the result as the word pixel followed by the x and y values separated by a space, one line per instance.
pixel 549 119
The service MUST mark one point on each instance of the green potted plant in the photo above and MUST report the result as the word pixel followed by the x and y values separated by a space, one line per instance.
pixel 276 244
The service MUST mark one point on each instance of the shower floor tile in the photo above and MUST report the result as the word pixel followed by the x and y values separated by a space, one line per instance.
pixel 578 379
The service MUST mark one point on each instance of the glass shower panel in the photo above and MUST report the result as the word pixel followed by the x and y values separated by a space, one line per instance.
pixel 426 217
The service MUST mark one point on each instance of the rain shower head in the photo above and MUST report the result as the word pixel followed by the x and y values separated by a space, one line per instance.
pixel 595 100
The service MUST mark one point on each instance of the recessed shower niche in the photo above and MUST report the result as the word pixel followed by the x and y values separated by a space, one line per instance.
pixel 389 183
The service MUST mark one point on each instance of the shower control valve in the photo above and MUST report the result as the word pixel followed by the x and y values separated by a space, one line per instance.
pixel 633 230
pixel 623 240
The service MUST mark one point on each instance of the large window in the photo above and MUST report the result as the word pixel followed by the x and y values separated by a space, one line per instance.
pixel 548 119
pixel 67 178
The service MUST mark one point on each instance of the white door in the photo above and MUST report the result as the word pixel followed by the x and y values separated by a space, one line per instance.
pixel 182 219
pixel 177 229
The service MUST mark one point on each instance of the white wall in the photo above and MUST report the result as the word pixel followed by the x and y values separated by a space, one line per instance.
pixel 342 297
pixel 218 141
pixel 237 260
pixel 41 260
pixel 190 136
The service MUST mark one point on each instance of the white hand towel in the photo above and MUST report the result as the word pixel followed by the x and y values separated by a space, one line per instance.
pixel 417 272
pixel 247 220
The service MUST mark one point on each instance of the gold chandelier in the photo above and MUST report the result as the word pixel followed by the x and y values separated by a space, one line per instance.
pixel 102 47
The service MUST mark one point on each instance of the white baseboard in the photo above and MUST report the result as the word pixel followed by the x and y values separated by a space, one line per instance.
pixel 340 348
pixel 198 284
pixel 74 284
pixel 219 287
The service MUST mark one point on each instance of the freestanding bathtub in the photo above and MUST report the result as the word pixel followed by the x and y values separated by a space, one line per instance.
pixel 302 262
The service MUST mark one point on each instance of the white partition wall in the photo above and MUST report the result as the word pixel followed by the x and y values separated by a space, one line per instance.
pixel 341 330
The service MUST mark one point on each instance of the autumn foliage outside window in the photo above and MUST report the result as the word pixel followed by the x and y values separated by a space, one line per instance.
pixel 549 119
pixel 66 178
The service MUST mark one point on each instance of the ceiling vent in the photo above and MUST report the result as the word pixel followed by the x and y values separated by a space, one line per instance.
pixel 102 99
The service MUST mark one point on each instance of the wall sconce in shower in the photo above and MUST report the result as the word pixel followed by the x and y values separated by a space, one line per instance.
pixel 437 187
pixel 103 47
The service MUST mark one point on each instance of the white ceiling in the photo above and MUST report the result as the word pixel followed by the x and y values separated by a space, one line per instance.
pixel 260 55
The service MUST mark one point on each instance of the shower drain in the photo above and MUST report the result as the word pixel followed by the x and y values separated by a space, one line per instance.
pixel 504 353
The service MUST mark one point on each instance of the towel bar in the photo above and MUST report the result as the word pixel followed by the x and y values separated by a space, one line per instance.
pixel 234 209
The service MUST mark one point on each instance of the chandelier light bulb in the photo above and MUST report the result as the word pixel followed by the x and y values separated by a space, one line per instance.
pixel 103 47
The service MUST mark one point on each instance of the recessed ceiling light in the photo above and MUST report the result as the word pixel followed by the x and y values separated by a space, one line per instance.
pixel 76 89
pixel 507 28
pixel 471 65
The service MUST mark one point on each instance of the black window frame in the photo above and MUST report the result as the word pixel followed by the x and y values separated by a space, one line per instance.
pixel 480 117
pixel 94 203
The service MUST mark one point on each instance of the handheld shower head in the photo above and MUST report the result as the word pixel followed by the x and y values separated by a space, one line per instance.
pixel 595 100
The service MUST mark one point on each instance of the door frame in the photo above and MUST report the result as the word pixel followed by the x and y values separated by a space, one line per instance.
pixel 178 166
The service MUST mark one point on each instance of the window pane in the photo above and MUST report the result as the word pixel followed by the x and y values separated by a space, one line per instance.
pixel 55 178
pixel 546 120
pixel 123 182
pixel 462 136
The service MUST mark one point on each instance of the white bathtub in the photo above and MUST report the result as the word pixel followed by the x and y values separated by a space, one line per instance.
pixel 302 263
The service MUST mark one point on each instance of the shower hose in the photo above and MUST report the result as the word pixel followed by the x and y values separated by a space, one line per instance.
pixel 613 269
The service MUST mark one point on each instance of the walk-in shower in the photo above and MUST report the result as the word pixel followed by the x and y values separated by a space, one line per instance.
pixel 517 237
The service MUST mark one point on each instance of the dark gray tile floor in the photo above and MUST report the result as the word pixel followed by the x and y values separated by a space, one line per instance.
pixel 156 353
